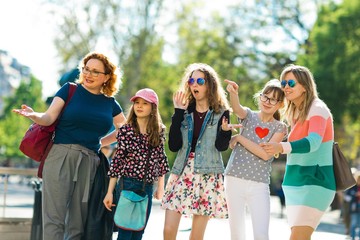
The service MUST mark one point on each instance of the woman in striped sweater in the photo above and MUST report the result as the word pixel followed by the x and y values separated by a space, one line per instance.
pixel 309 183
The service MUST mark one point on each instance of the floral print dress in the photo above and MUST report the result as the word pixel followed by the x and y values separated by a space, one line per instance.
pixel 199 194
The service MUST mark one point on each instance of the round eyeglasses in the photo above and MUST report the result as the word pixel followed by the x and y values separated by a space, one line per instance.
pixel 265 99
pixel 93 73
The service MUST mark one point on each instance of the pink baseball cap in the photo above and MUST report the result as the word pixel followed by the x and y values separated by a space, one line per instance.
pixel 147 94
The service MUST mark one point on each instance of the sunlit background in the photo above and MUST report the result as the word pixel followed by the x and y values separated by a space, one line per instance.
pixel 152 41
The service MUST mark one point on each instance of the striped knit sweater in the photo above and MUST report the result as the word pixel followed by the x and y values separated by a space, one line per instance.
pixel 309 178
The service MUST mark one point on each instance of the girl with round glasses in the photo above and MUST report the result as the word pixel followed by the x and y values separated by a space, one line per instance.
pixel 247 175
pixel 309 183
pixel 199 132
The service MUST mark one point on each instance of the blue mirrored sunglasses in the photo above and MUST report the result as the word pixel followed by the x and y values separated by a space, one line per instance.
pixel 199 81
pixel 290 82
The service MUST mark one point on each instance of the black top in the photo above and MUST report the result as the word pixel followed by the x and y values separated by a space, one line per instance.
pixel 175 139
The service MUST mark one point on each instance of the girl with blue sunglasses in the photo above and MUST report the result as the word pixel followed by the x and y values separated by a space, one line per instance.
pixel 199 132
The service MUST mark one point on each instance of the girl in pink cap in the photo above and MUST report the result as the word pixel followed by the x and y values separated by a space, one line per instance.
pixel 142 135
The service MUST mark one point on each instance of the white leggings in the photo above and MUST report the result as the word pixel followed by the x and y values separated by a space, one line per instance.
pixel 256 196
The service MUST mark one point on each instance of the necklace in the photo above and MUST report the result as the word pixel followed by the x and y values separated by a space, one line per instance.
pixel 201 115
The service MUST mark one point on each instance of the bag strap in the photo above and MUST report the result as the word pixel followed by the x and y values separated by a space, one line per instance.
pixel 146 170
pixel 147 167
pixel 72 88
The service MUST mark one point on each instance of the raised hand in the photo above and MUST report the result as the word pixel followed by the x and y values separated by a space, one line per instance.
pixel 180 100
pixel 225 126
pixel 232 86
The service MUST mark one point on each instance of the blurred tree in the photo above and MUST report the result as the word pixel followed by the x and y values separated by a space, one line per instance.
pixel 206 41
pixel 12 126
pixel 333 56
pixel 130 35
pixel 249 43
pixel 126 29
pixel 348 136
pixel 269 34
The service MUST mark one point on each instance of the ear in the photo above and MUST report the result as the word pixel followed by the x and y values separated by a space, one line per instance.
pixel 107 78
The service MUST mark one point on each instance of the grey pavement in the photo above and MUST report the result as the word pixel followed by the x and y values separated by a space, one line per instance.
pixel 20 200
pixel 329 229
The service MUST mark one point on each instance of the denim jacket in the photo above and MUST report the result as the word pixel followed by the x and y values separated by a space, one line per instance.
pixel 207 158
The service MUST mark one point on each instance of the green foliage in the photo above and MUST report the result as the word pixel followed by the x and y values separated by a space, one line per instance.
pixel 349 139
pixel 13 126
pixel 334 59
pixel 249 44
pixel 153 72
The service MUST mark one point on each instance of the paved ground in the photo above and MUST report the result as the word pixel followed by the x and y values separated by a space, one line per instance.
pixel 20 200
pixel 329 229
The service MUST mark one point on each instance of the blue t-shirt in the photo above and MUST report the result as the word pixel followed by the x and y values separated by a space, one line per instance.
pixel 86 119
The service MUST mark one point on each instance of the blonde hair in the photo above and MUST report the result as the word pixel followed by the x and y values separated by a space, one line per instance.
pixel 154 128
pixel 110 87
pixel 216 94
pixel 305 78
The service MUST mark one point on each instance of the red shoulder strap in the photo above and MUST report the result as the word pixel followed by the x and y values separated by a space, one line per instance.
pixel 72 89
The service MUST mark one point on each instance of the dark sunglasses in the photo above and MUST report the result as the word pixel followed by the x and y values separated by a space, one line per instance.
pixel 199 81
pixel 290 82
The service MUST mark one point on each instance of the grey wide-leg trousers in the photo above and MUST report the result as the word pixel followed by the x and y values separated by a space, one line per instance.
pixel 68 175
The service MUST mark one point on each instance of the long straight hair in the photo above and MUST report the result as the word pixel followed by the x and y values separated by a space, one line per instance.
pixel 305 78
pixel 154 128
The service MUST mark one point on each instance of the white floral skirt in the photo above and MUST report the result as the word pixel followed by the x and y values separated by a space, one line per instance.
pixel 199 194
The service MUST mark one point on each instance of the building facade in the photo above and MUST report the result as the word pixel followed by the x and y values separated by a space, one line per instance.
pixel 11 74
